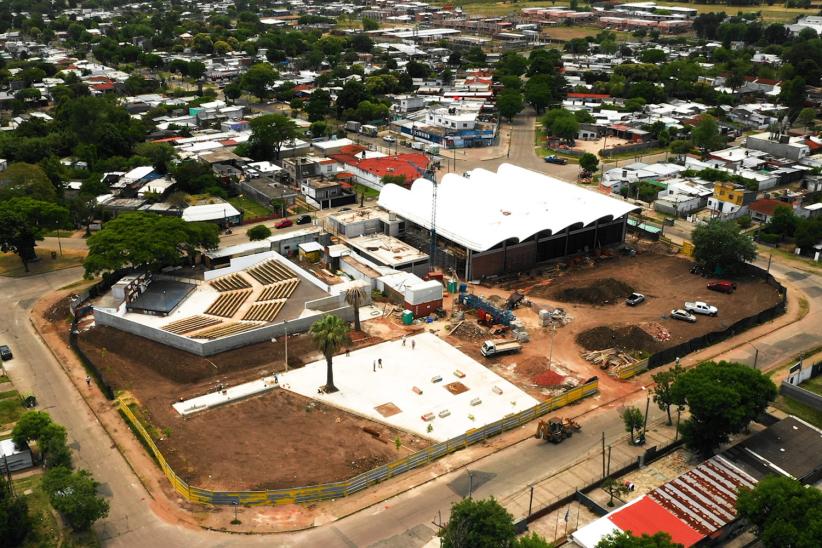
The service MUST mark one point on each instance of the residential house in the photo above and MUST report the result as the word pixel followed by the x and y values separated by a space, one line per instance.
pixel 730 200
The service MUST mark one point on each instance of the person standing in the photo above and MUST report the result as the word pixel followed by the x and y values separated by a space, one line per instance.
pixel 413 344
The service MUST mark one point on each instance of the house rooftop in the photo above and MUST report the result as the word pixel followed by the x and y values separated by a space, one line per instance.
pixel 387 250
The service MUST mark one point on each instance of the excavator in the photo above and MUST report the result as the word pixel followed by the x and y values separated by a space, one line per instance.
pixel 556 429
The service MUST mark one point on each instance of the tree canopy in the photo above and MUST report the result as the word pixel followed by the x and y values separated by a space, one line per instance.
pixel 625 539
pixel 720 247
pixel 146 240
pixel 22 179
pixel 258 232
pixel 783 511
pixel 722 399
pixel 74 495
pixel 24 221
pixel 478 523
pixel 268 135
pixel 15 523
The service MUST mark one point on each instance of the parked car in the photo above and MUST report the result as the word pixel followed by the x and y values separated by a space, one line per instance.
pixel 5 353
pixel 722 286
pixel 555 160
pixel 696 269
pixel 284 223
pixel 684 315
pixel 389 139
pixel 303 219
pixel 634 299
pixel 698 307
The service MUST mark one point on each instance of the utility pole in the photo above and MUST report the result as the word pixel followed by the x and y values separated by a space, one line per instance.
pixel 645 422
pixel 609 461
pixel 531 500
pixel 603 455
pixel 285 339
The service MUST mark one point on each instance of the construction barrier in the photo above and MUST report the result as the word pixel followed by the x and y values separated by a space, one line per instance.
pixel 632 370
pixel 339 489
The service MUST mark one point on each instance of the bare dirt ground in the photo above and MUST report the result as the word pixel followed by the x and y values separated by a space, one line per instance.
pixel 274 440
pixel 592 294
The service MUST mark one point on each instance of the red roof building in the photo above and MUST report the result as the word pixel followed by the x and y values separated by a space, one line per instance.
pixel 370 171
pixel 763 210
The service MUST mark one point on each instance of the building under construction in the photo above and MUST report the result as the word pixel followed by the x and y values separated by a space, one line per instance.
pixel 504 222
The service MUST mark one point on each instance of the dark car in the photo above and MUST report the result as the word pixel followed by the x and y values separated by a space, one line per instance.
pixel 555 160
pixel 5 353
pixel 284 223
pixel 722 286
pixel 303 219
pixel 634 299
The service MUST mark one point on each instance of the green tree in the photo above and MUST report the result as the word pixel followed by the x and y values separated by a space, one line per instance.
pixel 806 117
pixel 562 124
pixel 194 177
pixel 233 90
pixel 512 63
pixel 268 135
pixel 74 495
pixel 632 418
pixel 330 333
pixel 509 104
pixel 355 296
pixel 37 426
pixel 369 24
pixel 614 488
pixel 258 232
pixel 588 162
pixel 783 221
pixel 478 524
pixel 351 95
pixel 319 105
pixel 23 222
pixel 258 79
pixel 722 399
pixel 538 92
pixel 793 95
pixel 680 147
pixel 720 247
pixel 160 154
pixel 783 511
pixel 663 396
pixel 362 43
pixel 531 540
pixel 705 134
pixel 146 240
pixel 15 523
pixel 26 180
pixel 318 128
pixel 624 539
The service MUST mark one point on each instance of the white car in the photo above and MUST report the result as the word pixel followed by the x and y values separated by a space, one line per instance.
pixel 683 315
pixel 389 139
pixel 698 307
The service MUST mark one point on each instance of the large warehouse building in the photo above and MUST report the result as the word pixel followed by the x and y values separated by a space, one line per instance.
pixel 508 221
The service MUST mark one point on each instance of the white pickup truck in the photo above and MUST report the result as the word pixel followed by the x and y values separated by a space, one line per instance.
pixel 497 347
pixel 698 307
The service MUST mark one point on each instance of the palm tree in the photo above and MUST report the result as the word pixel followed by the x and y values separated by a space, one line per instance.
pixel 329 333
pixel 355 296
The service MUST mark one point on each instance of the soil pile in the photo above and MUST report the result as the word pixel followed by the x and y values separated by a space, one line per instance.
pixel 607 291
pixel 626 338
pixel 548 378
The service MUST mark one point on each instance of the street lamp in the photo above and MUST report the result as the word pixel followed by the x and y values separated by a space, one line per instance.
pixel 756 356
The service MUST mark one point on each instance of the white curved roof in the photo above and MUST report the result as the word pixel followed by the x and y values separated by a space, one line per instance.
pixel 480 212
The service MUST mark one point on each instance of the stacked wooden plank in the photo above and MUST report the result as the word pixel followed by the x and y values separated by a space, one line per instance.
pixel 279 290
pixel 224 330
pixel 265 312
pixel 232 282
pixel 270 272
pixel 192 323
pixel 610 357
pixel 227 304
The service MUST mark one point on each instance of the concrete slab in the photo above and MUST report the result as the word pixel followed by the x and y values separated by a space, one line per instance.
pixel 364 386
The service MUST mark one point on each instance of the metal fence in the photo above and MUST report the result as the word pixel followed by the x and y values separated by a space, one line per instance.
pixel 339 489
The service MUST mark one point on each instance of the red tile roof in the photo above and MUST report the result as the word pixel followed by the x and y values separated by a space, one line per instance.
pixel 766 206
pixel 401 164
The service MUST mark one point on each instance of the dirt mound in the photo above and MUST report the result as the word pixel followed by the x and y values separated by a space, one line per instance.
pixel 607 291
pixel 531 366
pixel 625 338
pixel 548 378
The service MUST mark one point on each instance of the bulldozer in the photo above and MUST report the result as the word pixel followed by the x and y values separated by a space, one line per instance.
pixel 556 429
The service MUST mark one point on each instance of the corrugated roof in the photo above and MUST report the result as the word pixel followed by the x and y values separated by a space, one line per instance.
pixel 493 207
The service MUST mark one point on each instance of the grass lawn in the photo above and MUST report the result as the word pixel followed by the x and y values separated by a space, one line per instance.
pixel 249 207
pixel 10 264
pixel 813 385
pixel 777 13
pixel 11 407
pixel 367 190
pixel 46 529
pixel 801 410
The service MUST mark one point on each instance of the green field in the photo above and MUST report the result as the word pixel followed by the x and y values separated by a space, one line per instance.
pixel 813 385
pixel 801 410
pixel 10 264
pixel 11 407
pixel 249 207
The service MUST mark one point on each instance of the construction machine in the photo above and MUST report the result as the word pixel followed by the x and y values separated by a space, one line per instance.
pixel 556 429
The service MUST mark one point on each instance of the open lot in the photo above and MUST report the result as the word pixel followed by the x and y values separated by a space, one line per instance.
pixel 277 439
pixel 591 293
